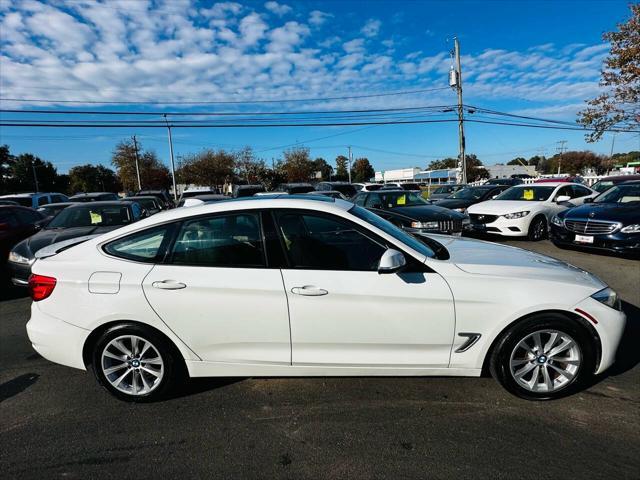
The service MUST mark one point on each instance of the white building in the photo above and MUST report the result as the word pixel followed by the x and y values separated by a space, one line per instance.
pixel 399 175
pixel 506 171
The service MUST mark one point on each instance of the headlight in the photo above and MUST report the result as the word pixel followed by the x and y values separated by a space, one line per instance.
pixel 557 221
pixel 608 297
pixel 631 229
pixel 425 225
pixel 17 258
pixel 511 216
pixel 461 210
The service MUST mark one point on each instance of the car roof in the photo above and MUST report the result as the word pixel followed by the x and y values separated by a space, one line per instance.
pixel 91 194
pixel 543 184
pixel 57 204
pixel 145 197
pixel 622 178
pixel 28 195
pixel 103 203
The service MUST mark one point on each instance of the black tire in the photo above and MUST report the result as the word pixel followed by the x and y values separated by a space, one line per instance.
pixel 170 367
pixel 500 356
pixel 538 229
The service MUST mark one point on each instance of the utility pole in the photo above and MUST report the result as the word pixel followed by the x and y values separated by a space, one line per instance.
pixel 135 149
pixel 35 175
pixel 455 81
pixel 613 142
pixel 561 149
pixel 173 166
pixel 349 162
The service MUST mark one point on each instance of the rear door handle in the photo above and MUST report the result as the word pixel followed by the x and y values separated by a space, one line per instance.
pixel 309 291
pixel 168 285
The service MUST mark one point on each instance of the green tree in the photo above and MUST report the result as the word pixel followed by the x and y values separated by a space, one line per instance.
pixel 92 178
pixel 5 165
pixel 619 105
pixel 362 170
pixel 475 169
pixel 248 167
pixel 153 174
pixel 297 165
pixel 321 165
pixel 517 161
pixel 342 168
pixel 575 162
pixel 21 176
pixel 208 168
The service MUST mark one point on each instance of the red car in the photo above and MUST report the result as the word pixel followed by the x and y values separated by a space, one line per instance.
pixel 560 179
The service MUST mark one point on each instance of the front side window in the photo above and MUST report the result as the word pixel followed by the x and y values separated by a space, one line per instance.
pixel 221 241
pixel 43 200
pixel 360 199
pixel 146 246
pixel 620 194
pixel 470 193
pixel 579 191
pixel 319 242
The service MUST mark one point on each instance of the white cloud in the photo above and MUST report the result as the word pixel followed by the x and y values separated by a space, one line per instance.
pixel 371 28
pixel 353 45
pixel 278 8
pixel 318 18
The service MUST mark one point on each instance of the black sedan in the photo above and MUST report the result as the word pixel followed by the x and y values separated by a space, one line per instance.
pixel 16 223
pixel 411 212
pixel 611 222
pixel 75 221
pixel 463 199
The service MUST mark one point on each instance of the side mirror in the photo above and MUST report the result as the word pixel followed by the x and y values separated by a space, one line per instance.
pixel 563 198
pixel 392 261
pixel 588 200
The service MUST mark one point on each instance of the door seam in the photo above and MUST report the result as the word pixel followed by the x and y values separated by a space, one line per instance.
pixel 286 296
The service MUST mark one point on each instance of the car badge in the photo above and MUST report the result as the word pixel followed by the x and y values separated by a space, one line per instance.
pixel 592 214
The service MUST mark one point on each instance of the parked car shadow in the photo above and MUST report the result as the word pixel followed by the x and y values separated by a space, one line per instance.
pixel 628 355
pixel 9 292
pixel 193 386
pixel 19 384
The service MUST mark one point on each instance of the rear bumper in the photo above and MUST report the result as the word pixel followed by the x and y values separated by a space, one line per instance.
pixel 616 242
pixel 19 273
pixel 56 340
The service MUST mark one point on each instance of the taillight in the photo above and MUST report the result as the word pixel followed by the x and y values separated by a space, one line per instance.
pixel 40 287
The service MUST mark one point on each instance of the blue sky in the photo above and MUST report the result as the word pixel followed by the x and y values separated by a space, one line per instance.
pixel 539 58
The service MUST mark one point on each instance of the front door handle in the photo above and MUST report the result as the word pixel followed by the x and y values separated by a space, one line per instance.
pixel 168 285
pixel 309 291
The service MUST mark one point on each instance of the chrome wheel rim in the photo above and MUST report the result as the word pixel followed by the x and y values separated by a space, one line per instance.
pixel 545 361
pixel 132 365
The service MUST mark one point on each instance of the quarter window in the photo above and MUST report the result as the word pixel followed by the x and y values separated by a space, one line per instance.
pixel 317 242
pixel 146 246
pixel 221 241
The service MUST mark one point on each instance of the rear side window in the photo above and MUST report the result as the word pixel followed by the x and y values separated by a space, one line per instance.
pixel 43 200
pixel 220 241
pixel 147 246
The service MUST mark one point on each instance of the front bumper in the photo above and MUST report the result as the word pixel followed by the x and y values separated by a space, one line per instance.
pixel 19 273
pixel 615 242
pixel 517 227
pixel 56 340
pixel 610 326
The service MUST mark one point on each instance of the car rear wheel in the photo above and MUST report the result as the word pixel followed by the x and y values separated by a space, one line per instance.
pixel 538 229
pixel 134 364
pixel 544 357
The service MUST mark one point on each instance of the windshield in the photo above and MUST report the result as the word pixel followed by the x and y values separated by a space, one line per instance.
pixel 471 193
pixel 391 229
pixel 620 194
pixel 602 185
pixel 531 193
pixel 91 216
pixel 24 201
pixel 395 199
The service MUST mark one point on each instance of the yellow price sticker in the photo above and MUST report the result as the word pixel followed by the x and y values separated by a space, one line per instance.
pixel 95 218
pixel 528 194
pixel 402 200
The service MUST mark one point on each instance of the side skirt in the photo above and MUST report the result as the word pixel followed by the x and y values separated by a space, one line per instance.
pixel 219 369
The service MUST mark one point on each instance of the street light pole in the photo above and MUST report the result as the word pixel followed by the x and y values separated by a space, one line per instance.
pixel 173 166
pixel 349 162
pixel 35 175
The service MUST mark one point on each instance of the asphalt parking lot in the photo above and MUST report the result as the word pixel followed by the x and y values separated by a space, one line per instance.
pixel 57 422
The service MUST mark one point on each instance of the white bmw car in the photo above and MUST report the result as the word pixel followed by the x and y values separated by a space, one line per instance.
pixel 312 286
pixel 526 210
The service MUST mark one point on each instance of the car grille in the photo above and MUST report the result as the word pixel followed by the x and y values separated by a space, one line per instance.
pixel 450 226
pixel 594 227
pixel 476 218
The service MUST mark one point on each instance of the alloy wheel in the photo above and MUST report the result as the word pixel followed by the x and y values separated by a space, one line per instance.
pixel 132 365
pixel 545 361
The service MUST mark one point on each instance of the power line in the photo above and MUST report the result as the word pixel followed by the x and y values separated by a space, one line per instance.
pixel 221 102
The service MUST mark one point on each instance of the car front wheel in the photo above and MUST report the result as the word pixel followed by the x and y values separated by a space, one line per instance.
pixel 538 229
pixel 134 364
pixel 544 357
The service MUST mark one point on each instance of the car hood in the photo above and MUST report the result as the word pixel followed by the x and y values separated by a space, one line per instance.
pixel 427 213
pixel 500 207
pixel 486 258
pixel 454 203
pixel 46 237
pixel 615 212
